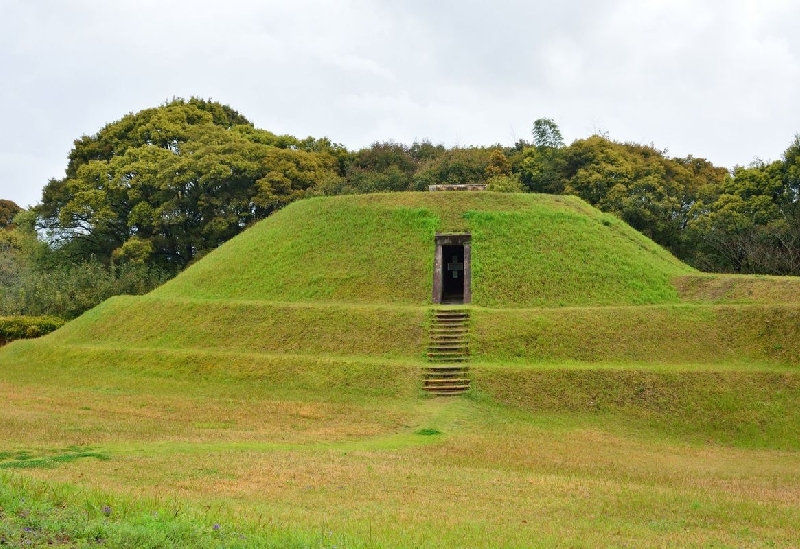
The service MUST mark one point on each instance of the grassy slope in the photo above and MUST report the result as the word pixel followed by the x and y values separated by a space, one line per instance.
pixel 669 334
pixel 304 282
pixel 251 327
pixel 528 250
pixel 738 289
pixel 566 256
pixel 319 250
pixel 732 336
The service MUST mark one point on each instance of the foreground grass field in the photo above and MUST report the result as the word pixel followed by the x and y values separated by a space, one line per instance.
pixel 271 396
pixel 174 449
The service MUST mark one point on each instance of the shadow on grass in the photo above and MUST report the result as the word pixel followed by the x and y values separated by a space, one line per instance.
pixel 24 459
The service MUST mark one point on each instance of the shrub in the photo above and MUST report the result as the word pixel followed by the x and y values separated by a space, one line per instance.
pixel 26 327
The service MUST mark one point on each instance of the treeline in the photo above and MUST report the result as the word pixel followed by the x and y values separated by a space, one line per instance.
pixel 36 280
pixel 152 192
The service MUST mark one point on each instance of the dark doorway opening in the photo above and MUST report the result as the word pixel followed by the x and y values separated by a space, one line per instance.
pixel 453 274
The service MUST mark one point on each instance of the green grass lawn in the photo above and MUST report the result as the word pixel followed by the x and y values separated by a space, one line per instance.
pixel 271 395
pixel 153 448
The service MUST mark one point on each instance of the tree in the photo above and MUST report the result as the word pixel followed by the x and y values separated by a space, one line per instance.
pixel 746 226
pixel 546 134
pixel 33 282
pixel 166 185
pixel 423 151
pixel 13 260
pixel 456 166
pixel 654 194
pixel 384 166
pixel 8 210
pixel 791 170
pixel 498 165
pixel 540 167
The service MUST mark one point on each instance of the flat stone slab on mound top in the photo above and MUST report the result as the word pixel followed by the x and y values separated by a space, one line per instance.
pixel 475 187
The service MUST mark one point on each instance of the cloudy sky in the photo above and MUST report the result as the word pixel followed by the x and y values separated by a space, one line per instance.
pixel 718 79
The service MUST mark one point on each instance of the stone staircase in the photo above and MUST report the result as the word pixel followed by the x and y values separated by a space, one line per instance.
pixel 448 352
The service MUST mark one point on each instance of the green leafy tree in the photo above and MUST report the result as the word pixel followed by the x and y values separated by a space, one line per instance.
pixel 10 258
pixel 504 184
pixel 655 194
pixel 20 251
pixel 542 170
pixel 540 164
pixel 425 151
pixel 166 185
pixel 382 167
pixel 747 226
pixel 456 166
pixel 8 210
pixel 34 282
pixel 499 165
pixel 546 134
pixel 791 171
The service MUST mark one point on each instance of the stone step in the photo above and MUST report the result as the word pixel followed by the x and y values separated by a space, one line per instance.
pixel 444 381
pixel 448 348
pixel 449 391
pixel 447 382
pixel 448 358
pixel 455 373
pixel 449 351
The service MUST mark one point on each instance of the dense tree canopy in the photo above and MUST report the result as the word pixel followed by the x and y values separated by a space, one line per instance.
pixel 167 184
pixel 151 192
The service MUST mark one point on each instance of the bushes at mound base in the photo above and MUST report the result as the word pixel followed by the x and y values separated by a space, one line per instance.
pixel 27 327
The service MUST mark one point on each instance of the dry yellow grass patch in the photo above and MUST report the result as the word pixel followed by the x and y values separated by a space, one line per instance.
pixel 41 417
pixel 514 485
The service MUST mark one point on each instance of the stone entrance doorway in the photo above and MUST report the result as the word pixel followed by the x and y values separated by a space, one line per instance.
pixel 451 272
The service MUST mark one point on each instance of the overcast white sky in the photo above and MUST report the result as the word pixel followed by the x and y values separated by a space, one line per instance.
pixel 718 79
